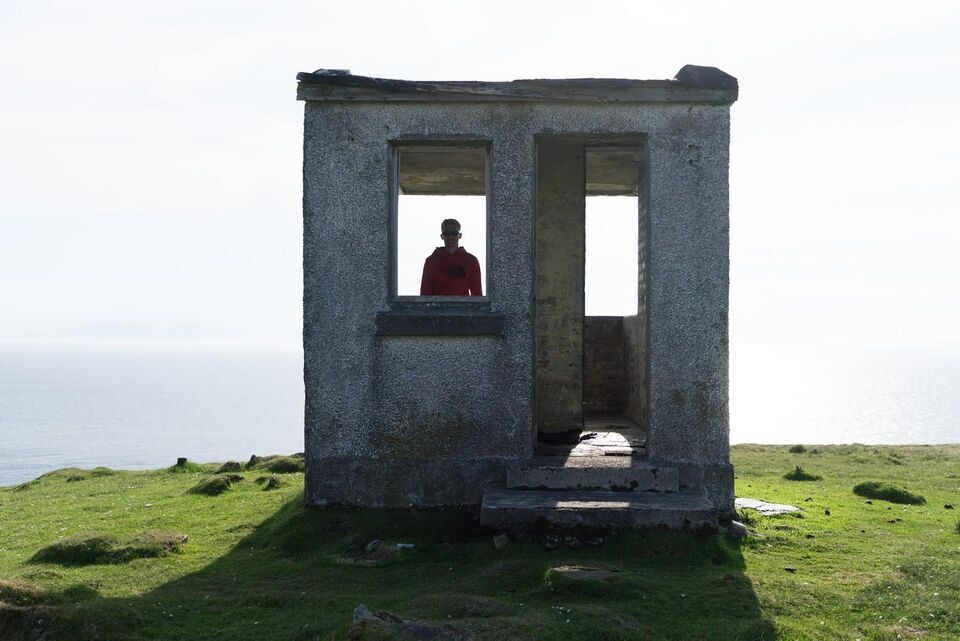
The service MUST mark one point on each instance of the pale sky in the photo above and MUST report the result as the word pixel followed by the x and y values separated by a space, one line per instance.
pixel 150 152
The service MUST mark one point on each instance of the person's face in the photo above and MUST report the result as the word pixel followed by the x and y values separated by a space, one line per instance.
pixel 451 237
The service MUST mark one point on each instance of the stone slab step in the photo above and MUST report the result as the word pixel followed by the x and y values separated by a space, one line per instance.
pixel 617 473
pixel 504 507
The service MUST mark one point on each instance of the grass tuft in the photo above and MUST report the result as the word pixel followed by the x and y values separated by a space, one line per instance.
pixel 154 544
pixel 276 464
pixel 212 486
pixel 887 492
pixel 20 593
pixel 189 466
pixel 798 449
pixel 800 474
pixel 269 482
pixel 285 465
pixel 97 548
pixel 956 527
pixel 81 549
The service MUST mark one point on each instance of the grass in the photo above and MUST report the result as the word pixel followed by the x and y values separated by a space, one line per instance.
pixel 800 474
pixel 260 566
pixel 887 492
pixel 102 547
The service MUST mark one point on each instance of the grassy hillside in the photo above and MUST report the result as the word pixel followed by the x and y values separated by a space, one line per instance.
pixel 100 554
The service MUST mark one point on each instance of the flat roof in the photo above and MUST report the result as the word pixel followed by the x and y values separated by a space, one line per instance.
pixel 691 84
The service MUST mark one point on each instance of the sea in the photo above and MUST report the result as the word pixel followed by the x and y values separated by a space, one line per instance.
pixel 130 409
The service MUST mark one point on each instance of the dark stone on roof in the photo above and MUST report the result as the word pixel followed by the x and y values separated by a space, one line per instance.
pixel 694 76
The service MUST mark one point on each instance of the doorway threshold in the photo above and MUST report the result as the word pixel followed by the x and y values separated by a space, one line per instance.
pixel 601 436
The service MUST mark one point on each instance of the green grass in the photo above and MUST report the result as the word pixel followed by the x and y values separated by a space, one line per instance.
pixel 887 492
pixel 259 566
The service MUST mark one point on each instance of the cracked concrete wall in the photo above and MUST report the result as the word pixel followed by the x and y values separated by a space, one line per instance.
pixel 394 421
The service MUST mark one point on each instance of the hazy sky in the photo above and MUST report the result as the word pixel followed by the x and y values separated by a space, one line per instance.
pixel 150 152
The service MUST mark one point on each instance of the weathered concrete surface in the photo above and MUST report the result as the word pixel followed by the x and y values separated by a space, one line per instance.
pixel 617 473
pixel 559 285
pixel 503 507
pixel 397 420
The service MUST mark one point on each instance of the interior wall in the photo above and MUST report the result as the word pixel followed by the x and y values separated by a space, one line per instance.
pixel 635 343
pixel 604 383
pixel 559 285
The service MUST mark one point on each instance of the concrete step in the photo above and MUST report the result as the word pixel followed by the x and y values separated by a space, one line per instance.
pixel 504 507
pixel 619 473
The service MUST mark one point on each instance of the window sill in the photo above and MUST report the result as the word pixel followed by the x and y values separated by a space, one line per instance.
pixel 440 316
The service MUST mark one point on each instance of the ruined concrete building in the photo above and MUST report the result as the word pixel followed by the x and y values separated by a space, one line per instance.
pixel 517 400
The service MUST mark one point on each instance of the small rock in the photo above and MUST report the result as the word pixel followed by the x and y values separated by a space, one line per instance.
pixel 595 541
pixel 572 542
pixel 550 542
pixel 500 540
pixel 736 530
pixel 584 573
pixel 790 569
pixel 385 624
pixel 372 545
pixel 148 505
pixel 405 546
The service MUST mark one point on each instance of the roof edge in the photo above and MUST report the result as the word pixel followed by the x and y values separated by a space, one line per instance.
pixel 691 84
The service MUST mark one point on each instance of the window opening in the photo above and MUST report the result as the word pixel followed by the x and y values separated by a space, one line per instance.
pixel 611 266
pixel 436 183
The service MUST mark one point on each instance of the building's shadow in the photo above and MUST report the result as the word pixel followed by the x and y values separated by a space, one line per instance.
pixel 300 573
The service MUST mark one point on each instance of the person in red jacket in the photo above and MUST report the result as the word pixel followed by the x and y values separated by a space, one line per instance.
pixel 451 270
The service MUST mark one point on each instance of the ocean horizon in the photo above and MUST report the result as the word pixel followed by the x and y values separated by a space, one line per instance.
pixel 130 409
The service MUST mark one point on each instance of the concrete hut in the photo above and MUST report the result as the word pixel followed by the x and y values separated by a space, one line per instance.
pixel 516 400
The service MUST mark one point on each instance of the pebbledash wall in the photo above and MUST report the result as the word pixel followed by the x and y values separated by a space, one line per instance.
pixel 425 420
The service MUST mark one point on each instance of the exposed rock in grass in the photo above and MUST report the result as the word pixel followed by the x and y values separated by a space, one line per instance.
pixel 887 492
pixel 581 573
pixel 20 593
pixel 213 485
pixel 800 474
pixel 100 548
pixel 383 625
pixel 767 509
pixel 798 449
pixel 229 466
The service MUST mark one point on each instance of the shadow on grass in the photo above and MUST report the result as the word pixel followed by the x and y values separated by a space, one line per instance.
pixel 300 573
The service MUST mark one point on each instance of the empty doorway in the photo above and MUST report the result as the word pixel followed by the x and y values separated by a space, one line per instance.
pixel 591 302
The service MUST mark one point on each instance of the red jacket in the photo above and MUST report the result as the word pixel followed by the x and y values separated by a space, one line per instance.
pixel 456 274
